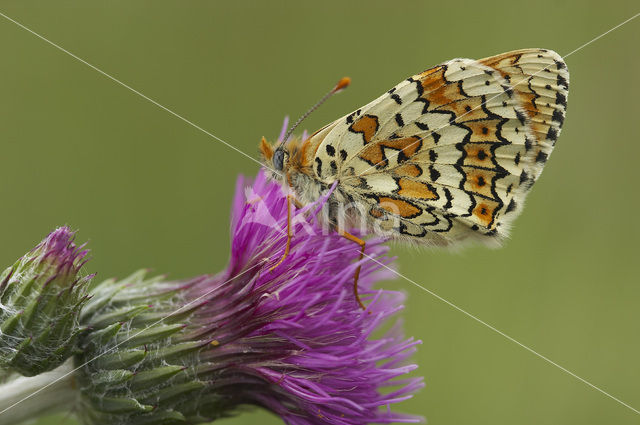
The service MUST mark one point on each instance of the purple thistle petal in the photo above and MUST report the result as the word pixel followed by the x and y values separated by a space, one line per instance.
pixel 58 251
pixel 285 124
pixel 294 340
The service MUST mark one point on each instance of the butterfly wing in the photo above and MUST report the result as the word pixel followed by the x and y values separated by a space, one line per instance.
pixel 450 154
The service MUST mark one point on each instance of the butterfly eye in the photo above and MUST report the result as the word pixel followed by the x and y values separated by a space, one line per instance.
pixel 278 159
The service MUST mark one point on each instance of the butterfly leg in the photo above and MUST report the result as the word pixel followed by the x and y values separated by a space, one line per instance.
pixel 289 235
pixel 362 244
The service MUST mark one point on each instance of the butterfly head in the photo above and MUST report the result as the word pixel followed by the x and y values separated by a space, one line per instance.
pixel 285 160
pixel 289 154
pixel 275 158
pixel 280 158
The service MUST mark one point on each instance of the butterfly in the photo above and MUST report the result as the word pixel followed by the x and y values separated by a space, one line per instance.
pixel 446 156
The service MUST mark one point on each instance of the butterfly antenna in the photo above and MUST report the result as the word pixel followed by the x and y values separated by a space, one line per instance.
pixel 342 84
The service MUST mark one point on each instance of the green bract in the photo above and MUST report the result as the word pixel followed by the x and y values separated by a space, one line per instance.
pixel 138 366
pixel 40 300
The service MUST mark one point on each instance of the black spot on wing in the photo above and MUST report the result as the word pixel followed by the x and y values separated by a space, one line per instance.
pixel 461 89
pixel 449 198
pixel 331 151
pixel 399 120
pixel 422 126
pixel 352 115
pixel 542 157
pixel 558 117
pixel 562 82
pixel 419 87
pixel 528 144
pixel 433 173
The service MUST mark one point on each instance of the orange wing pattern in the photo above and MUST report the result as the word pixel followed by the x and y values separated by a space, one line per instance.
pixel 449 154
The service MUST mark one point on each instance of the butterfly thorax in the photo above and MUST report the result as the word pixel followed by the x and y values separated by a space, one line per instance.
pixel 291 165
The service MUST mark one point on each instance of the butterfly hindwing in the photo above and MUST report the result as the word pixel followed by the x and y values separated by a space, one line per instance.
pixel 450 153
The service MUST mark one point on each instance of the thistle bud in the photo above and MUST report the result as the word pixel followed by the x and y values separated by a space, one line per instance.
pixel 40 300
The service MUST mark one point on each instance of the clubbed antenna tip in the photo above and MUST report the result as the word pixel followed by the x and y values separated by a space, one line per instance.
pixel 342 84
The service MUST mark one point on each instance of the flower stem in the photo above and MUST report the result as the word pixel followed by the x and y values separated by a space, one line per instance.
pixel 27 398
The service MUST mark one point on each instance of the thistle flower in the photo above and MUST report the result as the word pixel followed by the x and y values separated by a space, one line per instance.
pixel 292 340
pixel 40 299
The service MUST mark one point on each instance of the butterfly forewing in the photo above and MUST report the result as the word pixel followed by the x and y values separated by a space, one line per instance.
pixel 450 153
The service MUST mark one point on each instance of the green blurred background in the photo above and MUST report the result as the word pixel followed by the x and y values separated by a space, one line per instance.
pixel 148 190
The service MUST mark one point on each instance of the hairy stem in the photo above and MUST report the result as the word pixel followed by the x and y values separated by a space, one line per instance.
pixel 27 398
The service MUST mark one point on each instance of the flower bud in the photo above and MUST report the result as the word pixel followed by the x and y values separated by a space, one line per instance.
pixel 40 300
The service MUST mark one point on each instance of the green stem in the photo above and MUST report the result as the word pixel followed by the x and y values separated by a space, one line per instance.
pixel 27 398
